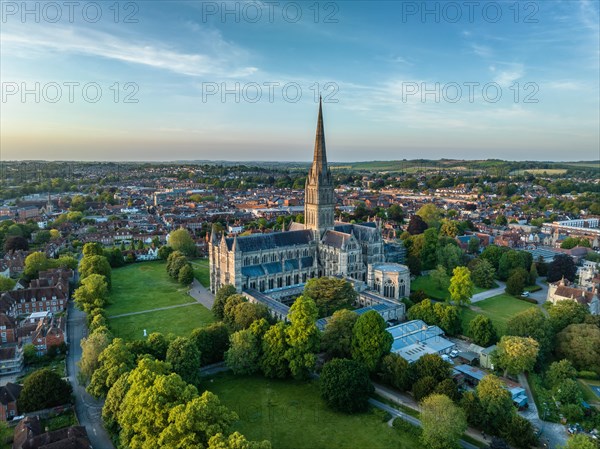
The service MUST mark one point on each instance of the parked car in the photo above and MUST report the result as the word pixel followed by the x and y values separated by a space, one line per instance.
pixel 525 294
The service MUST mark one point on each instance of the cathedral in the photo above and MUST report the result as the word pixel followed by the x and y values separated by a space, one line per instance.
pixel 319 247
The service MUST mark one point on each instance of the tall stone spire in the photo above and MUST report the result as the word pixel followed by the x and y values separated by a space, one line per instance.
pixel 319 202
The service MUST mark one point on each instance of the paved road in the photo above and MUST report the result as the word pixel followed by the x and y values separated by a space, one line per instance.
pixel 201 294
pixel 489 293
pixel 89 410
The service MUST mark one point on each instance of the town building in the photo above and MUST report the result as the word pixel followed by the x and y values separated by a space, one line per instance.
pixel 9 394
pixel 562 290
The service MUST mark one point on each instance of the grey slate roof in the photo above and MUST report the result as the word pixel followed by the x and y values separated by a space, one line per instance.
pixel 335 238
pixel 256 242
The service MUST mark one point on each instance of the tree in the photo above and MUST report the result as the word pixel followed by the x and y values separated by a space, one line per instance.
pixel 416 225
pixel 92 249
pixel 184 357
pixel 345 385
pixel 532 322
pixel 566 312
pixel 302 337
pixel 517 281
pixel 370 340
pixel 92 294
pixel 519 432
pixel 95 265
pixel 423 387
pixel 440 278
pixel 449 256
pixel 91 348
pixel 448 318
pixel 448 387
pixel 337 338
pixel 493 254
pixel 114 257
pixel 414 265
pixel 395 371
pixel 517 354
pixel 473 245
pixel 449 228
pixel 245 313
pixel 482 331
pixel 43 389
pixel 431 365
pixel 533 274
pixel 181 240
pixel 431 214
pixel 560 371
pixel 243 355
pixel 34 263
pixel 175 262
pixel 330 294
pixel 6 284
pixel 15 243
pixel 236 441
pixel 580 344
pixel 186 274
pixel 164 252
pixel 501 220
pixel 395 213
pixel 114 399
pixel 567 392
pixel 562 266
pixel 29 354
pixel 229 311
pixel 580 441
pixel 511 260
pixel 212 341
pixel 274 347
pixel 223 293
pixel 495 403
pixel 443 422
pixel 483 273
pixel 461 286
pixel 113 362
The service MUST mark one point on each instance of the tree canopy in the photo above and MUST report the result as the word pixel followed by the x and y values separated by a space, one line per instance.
pixel 44 389
pixel 345 385
pixel 370 340
pixel 330 294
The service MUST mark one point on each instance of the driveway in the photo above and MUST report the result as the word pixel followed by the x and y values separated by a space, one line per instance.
pixel 88 409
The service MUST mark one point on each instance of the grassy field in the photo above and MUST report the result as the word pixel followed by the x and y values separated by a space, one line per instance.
pixel 144 286
pixel 201 271
pixel 541 171
pixel 498 308
pixel 427 285
pixel 292 415
pixel 180 321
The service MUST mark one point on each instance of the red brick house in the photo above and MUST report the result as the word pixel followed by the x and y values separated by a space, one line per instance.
pixel 8 401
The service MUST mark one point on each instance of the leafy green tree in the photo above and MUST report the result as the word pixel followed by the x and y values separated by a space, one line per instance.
pixel 568 392
pixel 580 441
pixel 395 371
pixel 92 294
pixel 114 257
pixel 533 274
pixel 495 403
pixel 345 385
pixel 93 249
pixel 493 254
pixel 245 313
pixel 91 348
pixel 212 341
pixel 114 400
pixel 511 260
pixel 440 278
pixel 501 220
pixel 533 323
pixel 416 225
pixel 236 441
pixel 303 337
pixel 423 387
pixel 449 228
pixel 175 262
pixel 43 389
pixel 181 240
pixel 229 311
pixel 274 348
pixel 95 265
pixel 517 354
pixel 337 338
pixel 567 312
pixel 473 245
pixel 29 354
pixel 186 274
pixel 6 284
pixel 164 252
pixel 580 344
pixel 223 293
pixel 519 432
pixel 243 355
pixel 448 387
pixel 517 281
pixel 431 214
pixel 34 263
pixel 448 318
pixel 114 361
pixel 560 371
pixel 443 422
pixel 184 357
pixel 431 365
pixel 483 273
pixel 330 294
pixel 461 286
pixel 482 331
pixel 370 340
pixel 449 256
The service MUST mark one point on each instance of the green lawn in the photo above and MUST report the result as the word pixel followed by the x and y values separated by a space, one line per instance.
pixel 292 415
pixel 433 292
pixel 201 271
pixel 179 321
pixel 144 286
pixel 499 309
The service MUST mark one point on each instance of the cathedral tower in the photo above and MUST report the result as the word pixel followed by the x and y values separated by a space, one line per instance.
pixel 319 200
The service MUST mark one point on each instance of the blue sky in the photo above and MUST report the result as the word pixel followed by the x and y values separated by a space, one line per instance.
pixel 389 72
